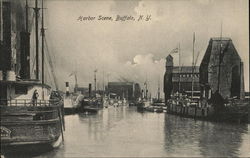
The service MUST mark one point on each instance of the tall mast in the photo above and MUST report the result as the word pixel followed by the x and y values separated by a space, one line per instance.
pixel 1 21
pixel 76 84
pixel 95 79
pixel 36 9
pixel 158 94
pixel 146 87
pixel 193 68
pixel 27 16
pixel 103 84
pixel 179 68
pixel 43 34
pixel 218 86
pixel 75 74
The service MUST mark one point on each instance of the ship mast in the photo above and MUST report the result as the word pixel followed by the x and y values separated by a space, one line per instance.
pixel 1 21
pixel 158 93
pixel 36 10
pixel 27 16
pixel 146 87
pixel 95 80
pixel 43 34
pixel 220 53
pixel 192 91
pixel 179 68
pixel 76 84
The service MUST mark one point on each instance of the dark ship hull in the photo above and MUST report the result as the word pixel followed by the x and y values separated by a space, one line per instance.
pixel 28 128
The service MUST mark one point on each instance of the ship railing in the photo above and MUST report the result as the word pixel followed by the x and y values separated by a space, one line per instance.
pixel 30 102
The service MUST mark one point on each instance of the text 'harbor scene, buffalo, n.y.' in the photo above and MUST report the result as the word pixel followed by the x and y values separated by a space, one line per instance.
pixel 142 78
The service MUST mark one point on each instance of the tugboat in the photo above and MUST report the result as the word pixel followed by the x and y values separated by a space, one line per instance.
pixel 31 116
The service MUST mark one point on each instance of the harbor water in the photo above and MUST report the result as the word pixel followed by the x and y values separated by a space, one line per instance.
pixel 124 132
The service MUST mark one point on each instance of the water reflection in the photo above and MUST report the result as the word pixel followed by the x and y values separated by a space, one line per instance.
pixel 221 139
pixel 186 137
pixel 123 132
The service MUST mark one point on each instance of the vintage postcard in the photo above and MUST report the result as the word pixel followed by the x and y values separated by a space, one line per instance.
pixel 124 78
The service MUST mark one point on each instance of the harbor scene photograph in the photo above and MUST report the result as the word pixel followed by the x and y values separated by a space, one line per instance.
pixel 124 78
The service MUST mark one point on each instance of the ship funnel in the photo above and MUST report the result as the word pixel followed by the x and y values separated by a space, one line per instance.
pixel 67 89
pixel 90 89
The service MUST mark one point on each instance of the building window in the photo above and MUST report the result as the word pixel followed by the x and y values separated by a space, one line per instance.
pixel 21 89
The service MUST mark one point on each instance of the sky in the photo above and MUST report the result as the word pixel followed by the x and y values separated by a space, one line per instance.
pixel 136 50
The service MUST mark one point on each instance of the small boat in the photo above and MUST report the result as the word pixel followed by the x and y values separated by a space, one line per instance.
pixel 89 105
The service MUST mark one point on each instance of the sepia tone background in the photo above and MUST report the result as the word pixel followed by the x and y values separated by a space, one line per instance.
pixel 136 51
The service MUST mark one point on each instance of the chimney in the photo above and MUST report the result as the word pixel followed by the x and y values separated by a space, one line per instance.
pixel 67 89
pixel 90 89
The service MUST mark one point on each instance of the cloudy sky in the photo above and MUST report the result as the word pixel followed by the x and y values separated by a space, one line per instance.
pixel 136 50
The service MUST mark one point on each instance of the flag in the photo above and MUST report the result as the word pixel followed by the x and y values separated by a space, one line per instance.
pixel 72 73
pixel 174 51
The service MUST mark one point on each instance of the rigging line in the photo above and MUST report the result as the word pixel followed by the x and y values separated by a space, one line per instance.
pixel 33 66
pixel 48 74
pixel 34 57
pixel 196 58
pixel 51 64
pixel 194 67
pixel 31 22
pixel 48 56
pixel 51 56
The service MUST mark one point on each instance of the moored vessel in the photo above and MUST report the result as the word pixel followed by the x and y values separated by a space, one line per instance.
pixel 32 117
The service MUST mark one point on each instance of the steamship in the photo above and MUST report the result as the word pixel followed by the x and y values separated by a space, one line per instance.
pixel 31 114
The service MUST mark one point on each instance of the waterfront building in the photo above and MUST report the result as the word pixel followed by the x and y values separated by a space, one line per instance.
pixel 221 70
pixel 185 78
pixel 128 90
pixel 179 79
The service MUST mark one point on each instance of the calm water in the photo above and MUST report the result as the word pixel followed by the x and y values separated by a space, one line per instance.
pixel 123 132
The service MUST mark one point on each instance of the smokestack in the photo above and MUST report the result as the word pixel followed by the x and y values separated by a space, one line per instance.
pixel 90 89
pixel 67 89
